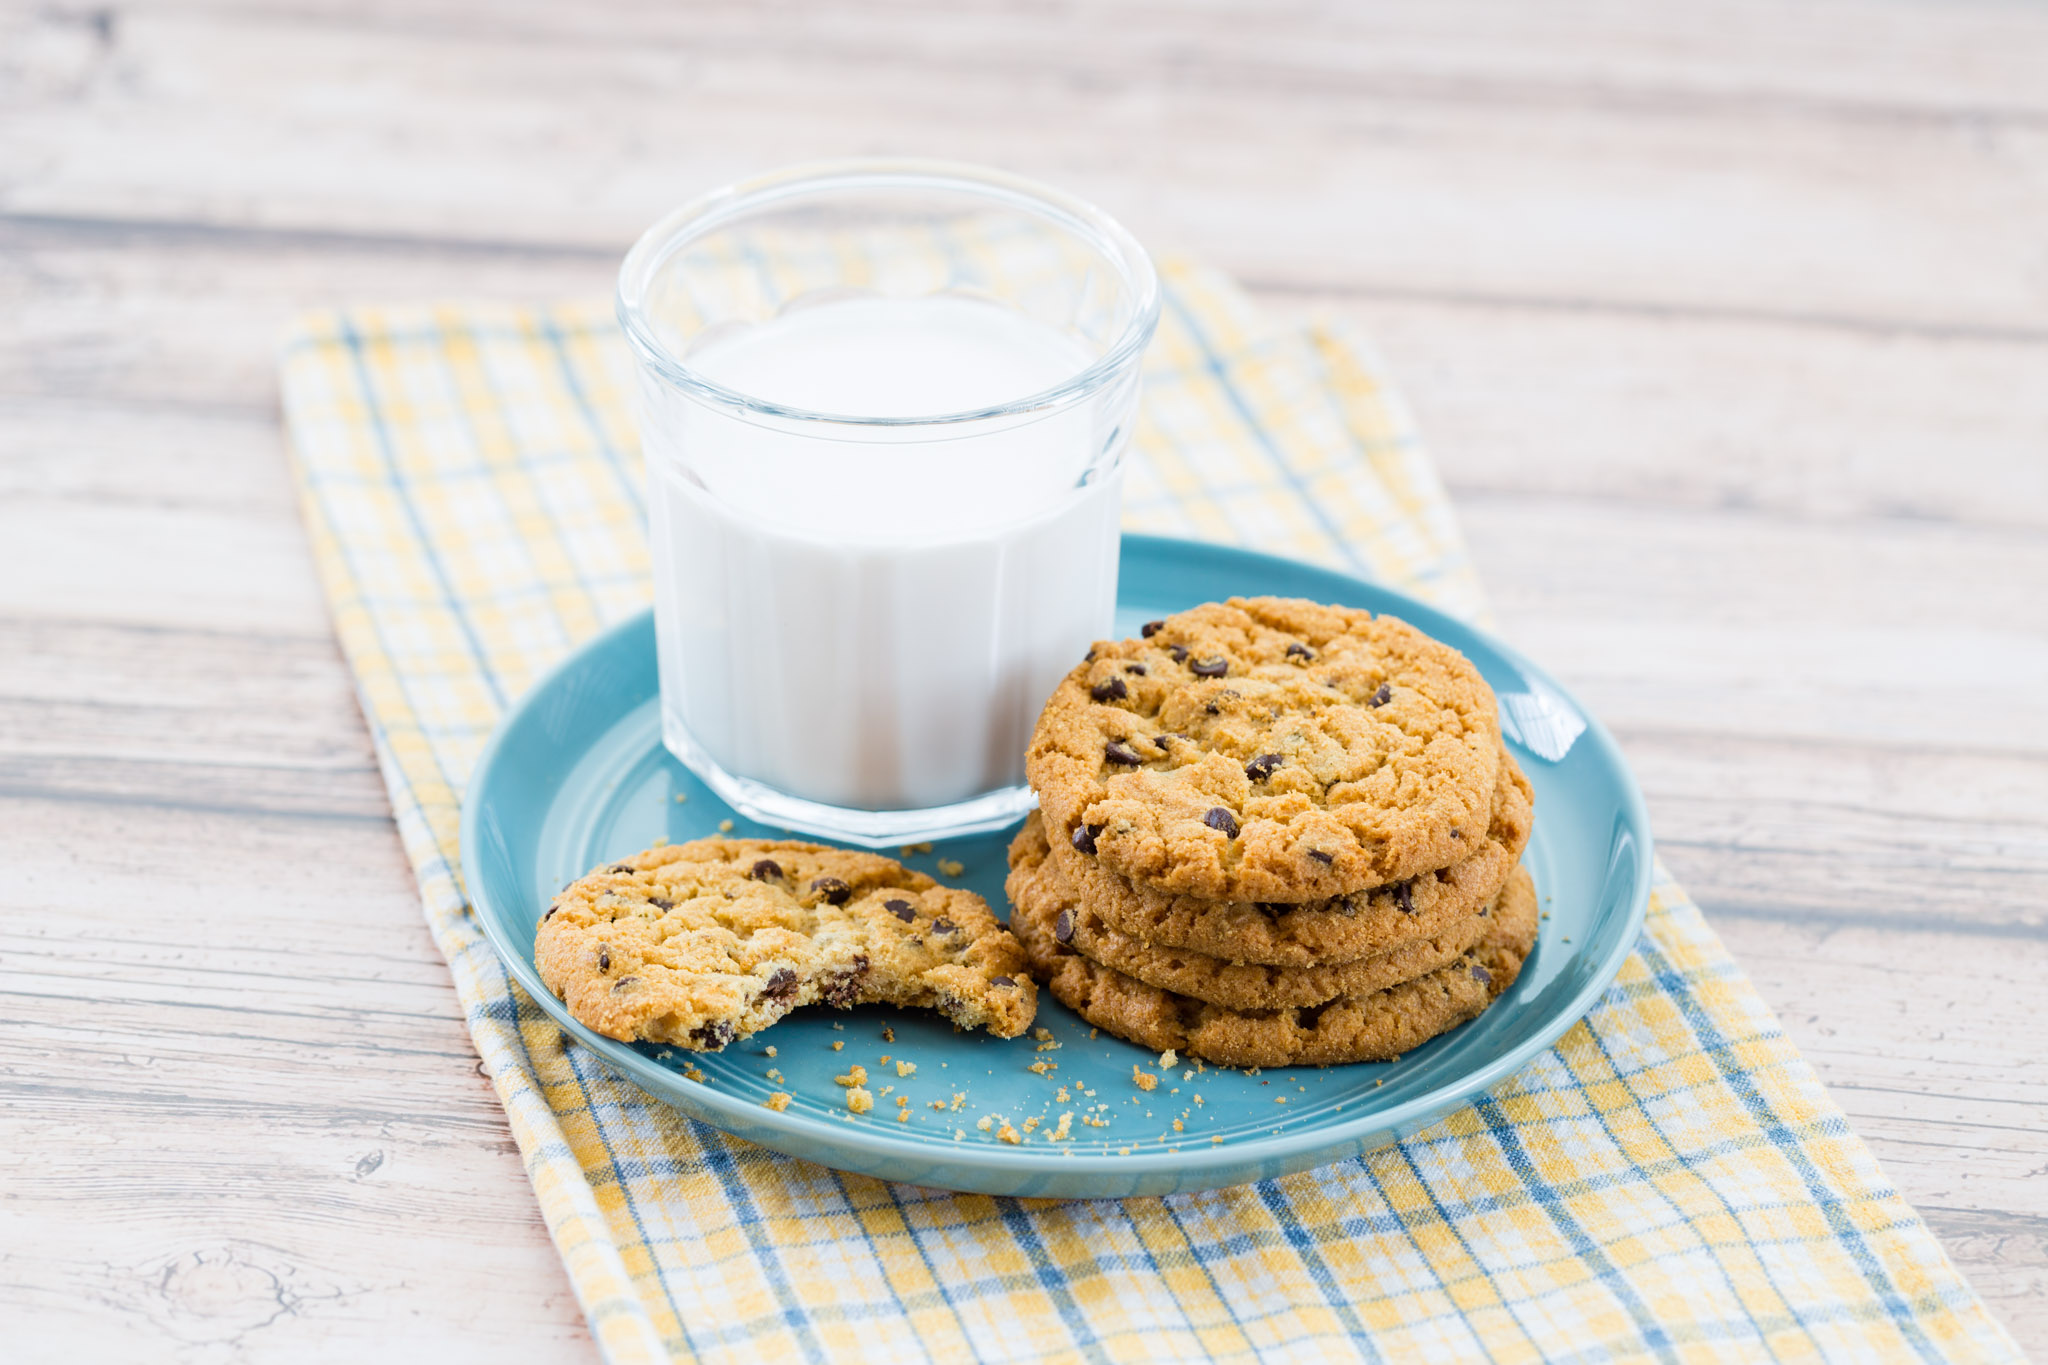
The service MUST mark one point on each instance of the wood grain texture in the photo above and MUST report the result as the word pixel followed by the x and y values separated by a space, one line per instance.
pixel 1727 325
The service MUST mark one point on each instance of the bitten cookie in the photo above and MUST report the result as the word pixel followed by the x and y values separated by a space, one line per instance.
pixel 1353 1028
pixel 1267 749
pixel 700 943
pixel 1232 985
pixel 1363 924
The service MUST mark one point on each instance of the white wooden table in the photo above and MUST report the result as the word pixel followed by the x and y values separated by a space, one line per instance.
pixel 1728 325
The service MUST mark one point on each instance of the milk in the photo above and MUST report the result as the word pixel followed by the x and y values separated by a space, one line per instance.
pixel 866 616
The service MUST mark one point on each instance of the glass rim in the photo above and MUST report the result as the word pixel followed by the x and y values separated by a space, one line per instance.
pixel 721 206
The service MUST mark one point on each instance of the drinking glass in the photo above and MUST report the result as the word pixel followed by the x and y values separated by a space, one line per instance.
pixel 884 407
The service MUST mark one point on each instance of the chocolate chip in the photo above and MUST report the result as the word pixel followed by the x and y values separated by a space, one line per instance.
pixel 1084 837
pixel 1112 689
pixel 901 910
pixel 781 986
pixel 550 914
pixel 1404 896
pixel 1138 669
pixel 1274 907
pixel 1179 653
pixel 767 870
pixel 1297 650
pixel 1456 835
pixel 1117 752
pixel 1063 927
pixel 1002 981
pixel 622 983
pixel 1210 668
pixel 604 957
pixel 1089 657
pixel 832 891
pixel 620 867
pixel 664 904
pixel 714 1035
pixel 1219 818
pixel 1151 628
pixel 942 925
pixel 1261 768
pixel 845 988
pixel 1213 709
pixel 1159 742
pixel 1481 975
pixel 1381 697
pixel 1324 858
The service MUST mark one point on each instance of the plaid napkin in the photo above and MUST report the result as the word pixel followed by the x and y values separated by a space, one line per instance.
pixel 1669 1182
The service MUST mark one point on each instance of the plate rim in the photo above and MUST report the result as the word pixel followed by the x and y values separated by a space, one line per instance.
pixel 1291 1151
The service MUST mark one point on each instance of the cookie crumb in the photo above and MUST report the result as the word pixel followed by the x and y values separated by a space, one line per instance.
pixel 1177 1127
pixel 888 1036
pixel 856 1075
pixel 691 1073
pixel 906 1068
pixel 1062 1130
pixel 682 797
pixel 1031 1124
pixel 771 1049
pixel 959 1098
pixel 903 1116
pixel 1008 1134
pixel 1061 1097
pixel 774 1074
pixel 951 867
pixel 985 1123
pixel 1043 1067
pixel 778 1101
pixel 725 826
pixel 1144 1080
pixel 1167 1059
pixel 837 1045
pixel 859 1100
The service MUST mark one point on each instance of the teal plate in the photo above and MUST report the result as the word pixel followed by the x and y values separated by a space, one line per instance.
pixel 576 776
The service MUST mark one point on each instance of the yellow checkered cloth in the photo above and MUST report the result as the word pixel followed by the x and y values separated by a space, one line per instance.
pixel 1670 1182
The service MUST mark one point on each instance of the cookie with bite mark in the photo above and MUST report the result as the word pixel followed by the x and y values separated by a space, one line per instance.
pixel 697 944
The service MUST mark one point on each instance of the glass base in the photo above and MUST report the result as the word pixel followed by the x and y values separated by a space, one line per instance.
pixel 868 828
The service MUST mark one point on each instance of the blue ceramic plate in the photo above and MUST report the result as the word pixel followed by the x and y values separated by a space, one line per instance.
pixel 576 776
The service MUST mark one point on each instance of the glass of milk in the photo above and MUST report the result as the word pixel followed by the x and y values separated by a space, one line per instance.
pixel 884 406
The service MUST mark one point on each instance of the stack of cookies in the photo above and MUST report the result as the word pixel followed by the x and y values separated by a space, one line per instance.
pixel 1274 833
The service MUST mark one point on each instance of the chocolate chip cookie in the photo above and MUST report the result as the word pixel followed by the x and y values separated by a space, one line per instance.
pixel 1374 1026
pixel 697 944
pixel 1238 986
pixel 1363 924
pixel 1268 749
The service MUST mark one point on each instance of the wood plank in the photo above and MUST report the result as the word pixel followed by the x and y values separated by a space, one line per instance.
pixel 1697 201
pixel 1769 419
